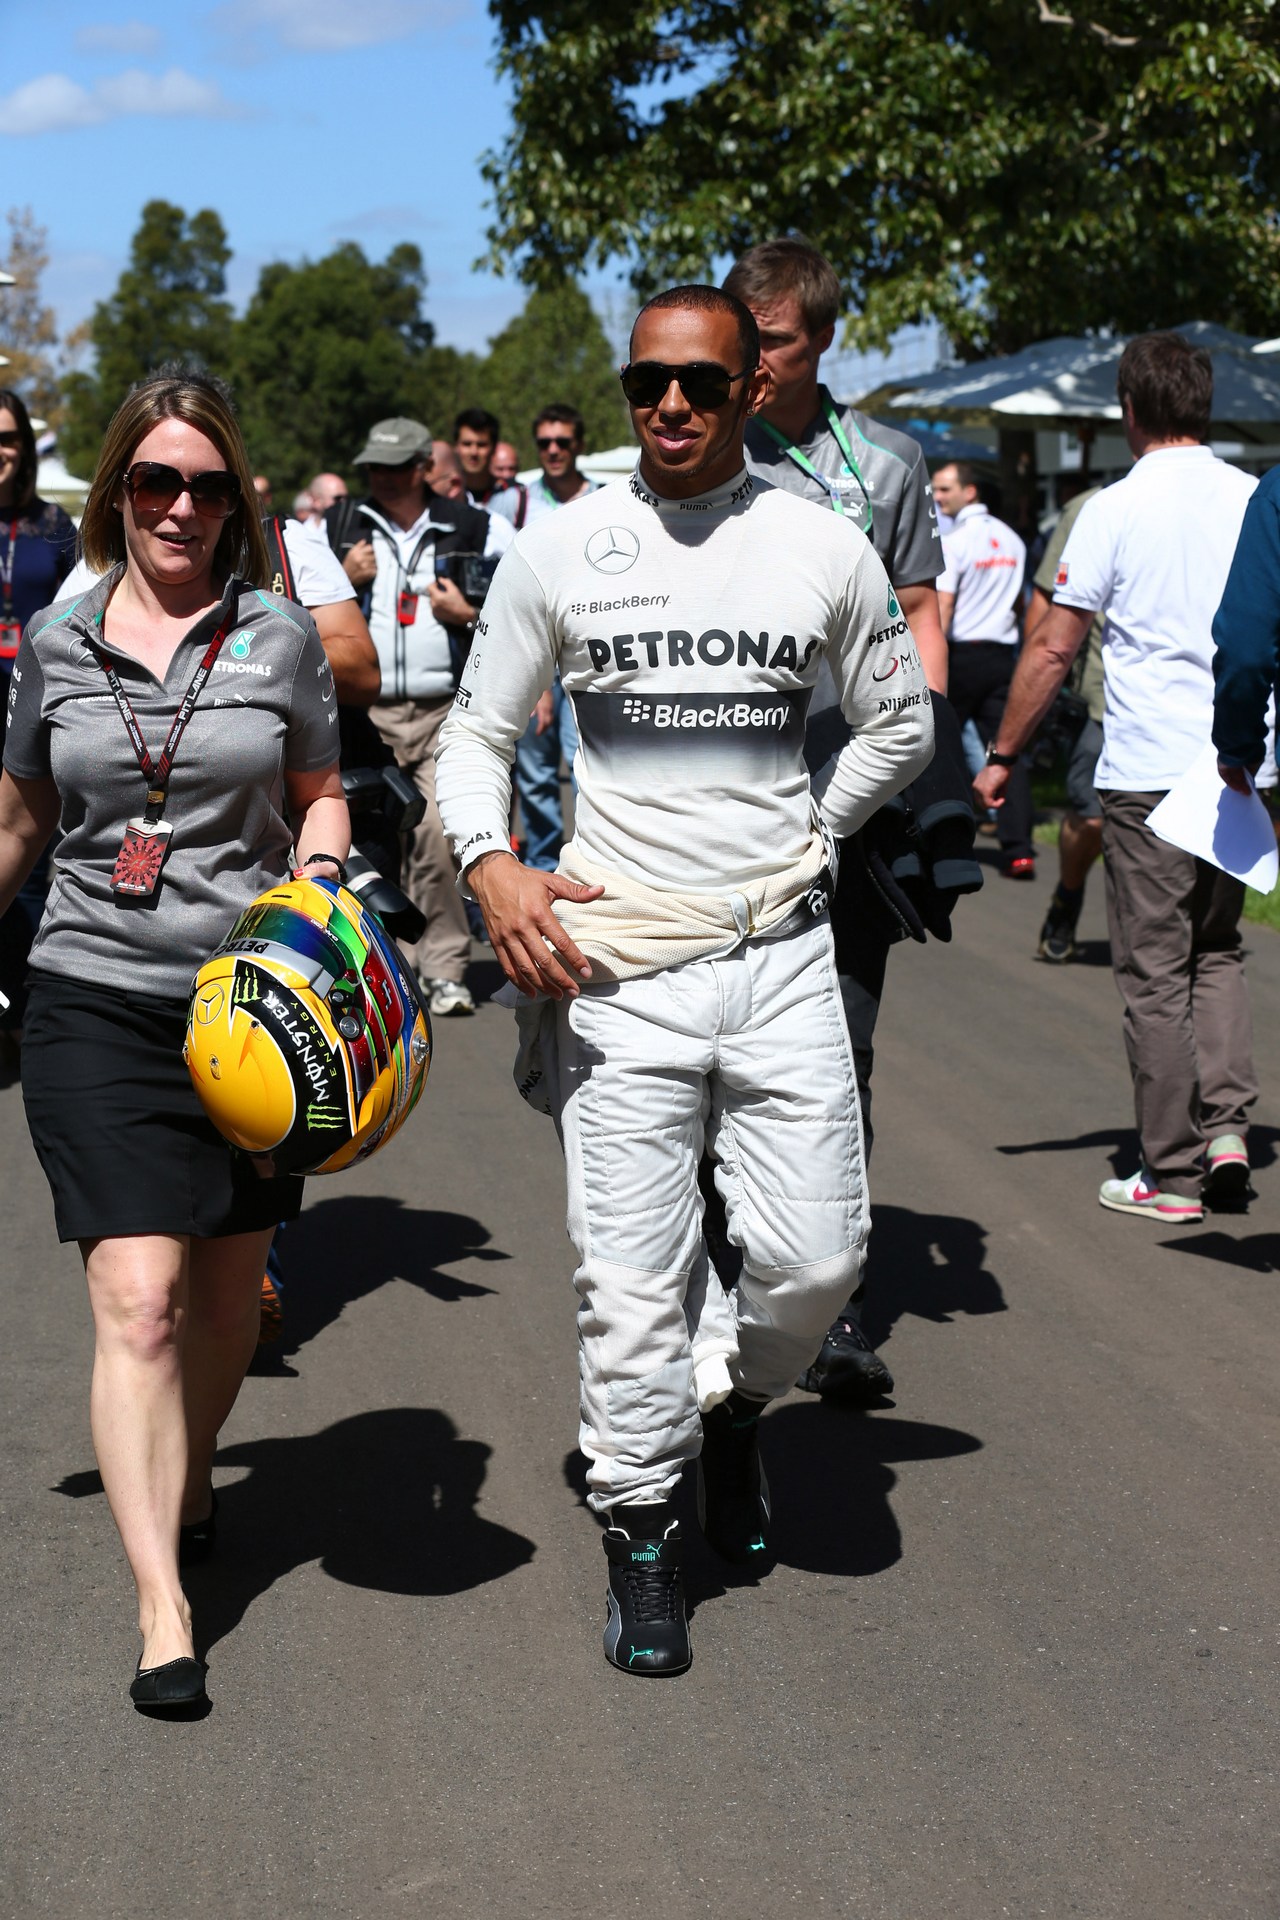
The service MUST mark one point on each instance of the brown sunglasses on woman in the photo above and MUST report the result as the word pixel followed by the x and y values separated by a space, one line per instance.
pixel 153 488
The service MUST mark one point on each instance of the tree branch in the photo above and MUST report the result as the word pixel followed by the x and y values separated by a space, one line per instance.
pixel 1050 19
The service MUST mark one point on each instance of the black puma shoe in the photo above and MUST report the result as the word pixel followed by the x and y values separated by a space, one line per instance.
pixel 848 1368
pixel 733 1494
pixel 646 1631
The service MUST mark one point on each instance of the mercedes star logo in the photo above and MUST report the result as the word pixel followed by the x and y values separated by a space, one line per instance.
pixel 208 1005
pixel 612 549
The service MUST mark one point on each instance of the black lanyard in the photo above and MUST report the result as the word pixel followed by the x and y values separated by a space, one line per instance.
pixel 156 772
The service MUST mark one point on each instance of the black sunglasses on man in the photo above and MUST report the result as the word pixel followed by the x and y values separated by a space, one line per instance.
pixel 704 383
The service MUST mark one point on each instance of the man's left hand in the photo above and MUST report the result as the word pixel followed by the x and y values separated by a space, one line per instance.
pixel 448 604
pixel 1237 778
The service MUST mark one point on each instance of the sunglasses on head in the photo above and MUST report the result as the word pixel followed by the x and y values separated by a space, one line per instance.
pixel 704 383
pixel 153 488
pixel 554 440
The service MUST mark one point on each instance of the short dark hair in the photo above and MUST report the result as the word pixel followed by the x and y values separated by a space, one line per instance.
pixel 791 267
pixel 560 414
pixel 480 420
pixel 966 473
pixel 709 300
pixel 24 484
pixel 1169 384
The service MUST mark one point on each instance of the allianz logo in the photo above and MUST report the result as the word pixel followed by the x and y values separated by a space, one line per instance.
pixel 681 714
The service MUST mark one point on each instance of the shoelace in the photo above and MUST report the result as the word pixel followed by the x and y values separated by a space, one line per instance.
pixel 653 1592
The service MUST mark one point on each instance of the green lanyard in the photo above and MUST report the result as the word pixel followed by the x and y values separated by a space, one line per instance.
pixel 828 485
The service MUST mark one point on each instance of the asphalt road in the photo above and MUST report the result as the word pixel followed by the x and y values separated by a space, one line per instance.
pixel 1020 1654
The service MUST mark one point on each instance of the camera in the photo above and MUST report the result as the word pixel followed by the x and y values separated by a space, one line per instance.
pixel 470 573
pixel 1059 730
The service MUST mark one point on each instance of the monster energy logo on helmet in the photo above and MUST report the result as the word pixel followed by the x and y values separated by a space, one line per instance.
pixel 246 987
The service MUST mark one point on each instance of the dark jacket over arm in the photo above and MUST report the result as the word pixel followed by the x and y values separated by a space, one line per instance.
pixel 1246 632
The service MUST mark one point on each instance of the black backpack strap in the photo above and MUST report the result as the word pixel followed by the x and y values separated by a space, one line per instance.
pixel 342 526
pixel 522 508
pixel 280 578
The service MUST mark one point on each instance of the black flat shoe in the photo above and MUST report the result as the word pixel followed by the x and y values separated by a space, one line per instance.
pixel 196 1542
pixel 177 1684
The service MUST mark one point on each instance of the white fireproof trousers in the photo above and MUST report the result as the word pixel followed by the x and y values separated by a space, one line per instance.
pixel 751 1053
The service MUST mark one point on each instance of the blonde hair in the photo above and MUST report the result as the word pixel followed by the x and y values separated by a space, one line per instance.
pixel 175 393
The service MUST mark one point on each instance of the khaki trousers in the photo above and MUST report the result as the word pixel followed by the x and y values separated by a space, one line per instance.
pixel 1179 965
pixel 411 729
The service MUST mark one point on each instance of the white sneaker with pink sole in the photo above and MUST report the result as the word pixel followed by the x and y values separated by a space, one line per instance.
pixel 1140 1194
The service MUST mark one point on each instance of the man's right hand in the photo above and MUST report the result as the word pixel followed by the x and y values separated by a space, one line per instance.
pixel 989 786
pixel 1237 778
pixel 516 903
pixel 360 563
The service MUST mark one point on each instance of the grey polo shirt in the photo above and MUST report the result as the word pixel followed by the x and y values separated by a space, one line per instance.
pixel 268 707
pixel 897 512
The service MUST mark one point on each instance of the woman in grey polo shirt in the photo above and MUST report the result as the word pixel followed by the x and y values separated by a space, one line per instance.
pixel 170 830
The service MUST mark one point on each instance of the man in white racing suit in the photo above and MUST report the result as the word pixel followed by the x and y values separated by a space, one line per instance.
pixel 683 990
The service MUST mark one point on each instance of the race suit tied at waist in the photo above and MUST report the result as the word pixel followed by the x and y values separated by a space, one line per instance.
pixel 633 930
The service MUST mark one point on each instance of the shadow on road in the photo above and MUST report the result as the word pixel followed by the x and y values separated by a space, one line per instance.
pixel 384 1500
pixel 928 1264
pixel 1124 1142
pixel 830 1481
pixel 1092 953
pixel 348 1247
pixel 1256 1253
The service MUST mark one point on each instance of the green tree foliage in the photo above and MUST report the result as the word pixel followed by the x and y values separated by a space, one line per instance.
pixel 28 333
pixel 168 304
pixel 555 350
pixel 323 350
pixel 1009 168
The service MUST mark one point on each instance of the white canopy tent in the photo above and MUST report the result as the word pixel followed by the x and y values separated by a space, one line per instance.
pixel 1063 382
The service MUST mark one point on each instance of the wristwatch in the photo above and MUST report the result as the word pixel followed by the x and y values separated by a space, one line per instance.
pixel 329 859
pixel 995 759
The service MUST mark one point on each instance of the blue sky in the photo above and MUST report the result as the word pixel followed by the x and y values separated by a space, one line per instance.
pixel 302 122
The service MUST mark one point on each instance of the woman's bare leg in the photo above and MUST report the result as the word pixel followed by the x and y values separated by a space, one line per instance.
pixel 223 1295
pixel 138 1291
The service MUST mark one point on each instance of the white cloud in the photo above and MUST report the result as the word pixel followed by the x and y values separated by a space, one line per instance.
pixel 128 37
pixel 328 26
pixel 54 103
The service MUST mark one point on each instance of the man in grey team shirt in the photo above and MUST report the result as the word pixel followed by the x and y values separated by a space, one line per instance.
pixel 842 460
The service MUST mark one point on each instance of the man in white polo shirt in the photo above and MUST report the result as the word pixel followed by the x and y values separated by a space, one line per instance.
pixel 1152 553
pixel 979 593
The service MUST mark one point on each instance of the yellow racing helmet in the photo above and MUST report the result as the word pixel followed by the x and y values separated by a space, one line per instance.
pixel 307 1041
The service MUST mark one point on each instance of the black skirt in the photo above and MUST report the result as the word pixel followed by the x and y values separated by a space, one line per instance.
pixel 122 1137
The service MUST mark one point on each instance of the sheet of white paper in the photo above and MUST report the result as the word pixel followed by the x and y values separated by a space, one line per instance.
pixel 1233 830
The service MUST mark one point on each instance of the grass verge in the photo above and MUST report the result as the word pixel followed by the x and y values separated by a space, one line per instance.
pixel 1260 909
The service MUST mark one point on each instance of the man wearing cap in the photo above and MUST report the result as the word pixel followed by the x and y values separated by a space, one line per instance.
pixel 395 544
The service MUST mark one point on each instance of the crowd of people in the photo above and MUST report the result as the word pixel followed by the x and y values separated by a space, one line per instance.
pixel 765 663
